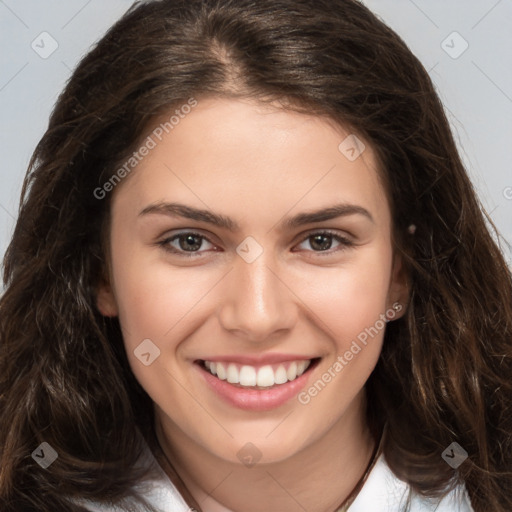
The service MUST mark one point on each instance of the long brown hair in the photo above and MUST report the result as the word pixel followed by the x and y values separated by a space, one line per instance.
pixel 444 374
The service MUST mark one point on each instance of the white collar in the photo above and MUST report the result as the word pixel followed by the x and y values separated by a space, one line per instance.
pixel 384 492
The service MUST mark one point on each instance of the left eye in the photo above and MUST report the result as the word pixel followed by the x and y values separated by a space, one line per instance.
pixel 323 241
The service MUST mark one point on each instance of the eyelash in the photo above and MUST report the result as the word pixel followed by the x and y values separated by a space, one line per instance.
pixel 345 243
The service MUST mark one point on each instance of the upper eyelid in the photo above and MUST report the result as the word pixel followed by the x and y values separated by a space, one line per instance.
pixel 341 233
pixel 195 232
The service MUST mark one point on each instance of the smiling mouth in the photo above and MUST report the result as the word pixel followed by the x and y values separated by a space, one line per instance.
pixel 260 378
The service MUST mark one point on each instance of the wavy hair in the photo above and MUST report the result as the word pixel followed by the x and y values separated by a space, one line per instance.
pixel 444 374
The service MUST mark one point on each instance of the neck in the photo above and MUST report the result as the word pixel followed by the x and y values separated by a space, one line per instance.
pixel 318 478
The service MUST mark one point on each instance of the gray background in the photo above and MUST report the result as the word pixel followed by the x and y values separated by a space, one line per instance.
pixel 475 85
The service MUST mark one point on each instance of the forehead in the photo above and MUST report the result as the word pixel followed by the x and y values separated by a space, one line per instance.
pixel 252 160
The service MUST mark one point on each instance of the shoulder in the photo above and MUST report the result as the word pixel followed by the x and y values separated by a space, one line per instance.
pixel 384 492
pixel 157 490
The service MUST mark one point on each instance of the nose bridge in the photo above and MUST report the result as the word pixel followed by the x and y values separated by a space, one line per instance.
pixel 258 285
pixel 257 303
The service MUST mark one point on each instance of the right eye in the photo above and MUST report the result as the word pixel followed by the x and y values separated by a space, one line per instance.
pixel 185 244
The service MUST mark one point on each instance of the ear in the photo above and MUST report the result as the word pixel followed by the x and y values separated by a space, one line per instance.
pixel 398 294
pixel 105 299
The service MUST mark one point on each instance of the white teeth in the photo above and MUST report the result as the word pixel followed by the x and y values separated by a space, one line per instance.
pixel 280 376
pixel 302 366
pixel 232 374
pixel 247 376
pixel 265 377
pixel 291 373
pixel 221 371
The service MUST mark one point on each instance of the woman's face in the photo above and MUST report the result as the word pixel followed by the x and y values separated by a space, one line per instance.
pixel 258 240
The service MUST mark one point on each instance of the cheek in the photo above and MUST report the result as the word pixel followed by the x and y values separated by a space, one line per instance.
pixel 350 304
pixel 349 299
pixel 156 301
pixel 164 307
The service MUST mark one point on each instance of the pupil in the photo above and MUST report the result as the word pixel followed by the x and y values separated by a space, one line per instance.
pixel 317 241
pixel 192 241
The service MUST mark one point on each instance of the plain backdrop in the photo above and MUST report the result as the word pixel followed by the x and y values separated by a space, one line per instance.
pixel 464 44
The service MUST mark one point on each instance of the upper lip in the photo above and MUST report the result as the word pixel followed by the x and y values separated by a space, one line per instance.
pixel 259 360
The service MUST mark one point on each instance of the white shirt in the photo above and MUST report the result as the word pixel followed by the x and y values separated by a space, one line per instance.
pixel 382 492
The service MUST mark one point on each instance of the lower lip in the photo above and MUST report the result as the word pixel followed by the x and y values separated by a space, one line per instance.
pixel 256 399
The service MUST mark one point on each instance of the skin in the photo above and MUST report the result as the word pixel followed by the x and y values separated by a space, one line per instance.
pixel 258 165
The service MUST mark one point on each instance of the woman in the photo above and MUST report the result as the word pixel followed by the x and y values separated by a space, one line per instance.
pixel 250 273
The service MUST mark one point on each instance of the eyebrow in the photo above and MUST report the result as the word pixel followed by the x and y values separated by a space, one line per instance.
pixel 221 221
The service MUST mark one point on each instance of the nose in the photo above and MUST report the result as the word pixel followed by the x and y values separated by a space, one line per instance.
pixel 257 303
